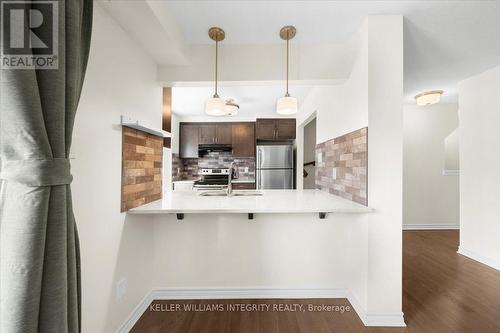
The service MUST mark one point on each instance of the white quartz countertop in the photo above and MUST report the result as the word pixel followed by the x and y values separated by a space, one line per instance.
pixel 271 201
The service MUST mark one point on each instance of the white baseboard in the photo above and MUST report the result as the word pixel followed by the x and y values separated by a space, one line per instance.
pixel 368 319
pixel 136 314
pixel 479 258
pixel 431 226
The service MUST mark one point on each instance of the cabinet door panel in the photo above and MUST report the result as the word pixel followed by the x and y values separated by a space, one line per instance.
pixel 207 134
pixel 243 139
pixel 285 129
pixel 189 140
pixel 266 129
pixel 223 134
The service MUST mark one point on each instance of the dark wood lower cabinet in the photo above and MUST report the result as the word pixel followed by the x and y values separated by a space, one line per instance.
pixel 243 186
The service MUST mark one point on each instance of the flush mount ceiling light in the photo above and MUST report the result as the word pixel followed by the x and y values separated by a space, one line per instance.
pixel 231 107
pixel 287 105
pixel 428 97
pixel 215 105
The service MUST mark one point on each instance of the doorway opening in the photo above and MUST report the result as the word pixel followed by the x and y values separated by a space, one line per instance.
pixel 309 165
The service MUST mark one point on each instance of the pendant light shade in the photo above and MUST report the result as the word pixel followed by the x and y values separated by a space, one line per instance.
pixel 232 108
pixel 287 105
pixel 216 106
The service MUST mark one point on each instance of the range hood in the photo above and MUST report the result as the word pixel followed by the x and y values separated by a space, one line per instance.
pixel 204 149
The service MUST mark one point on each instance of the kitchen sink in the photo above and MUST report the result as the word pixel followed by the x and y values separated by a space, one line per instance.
pixel 213 194
pixel 236 193
pixel 246 193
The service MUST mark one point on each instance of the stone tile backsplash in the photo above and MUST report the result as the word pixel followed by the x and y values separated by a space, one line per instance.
pixel 142 160
pixel 184 168
pixel 342 164
pixel 189 168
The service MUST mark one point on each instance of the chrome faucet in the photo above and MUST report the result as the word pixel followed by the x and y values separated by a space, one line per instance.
pixel 232 173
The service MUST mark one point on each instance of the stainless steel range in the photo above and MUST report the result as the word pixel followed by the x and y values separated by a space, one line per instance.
pixel 212 179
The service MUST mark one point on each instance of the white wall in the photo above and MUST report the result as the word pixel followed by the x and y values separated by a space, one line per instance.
pixel 341 108
pixel 272 251
pixel 261 62
pixel 175 133
pixel 385 163
pixel 479 118
pixel 120 79
pixel 452 152
pixel 429 198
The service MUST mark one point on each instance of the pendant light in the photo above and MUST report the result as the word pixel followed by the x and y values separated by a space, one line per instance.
pixel 215 105
pixel 287 105
pixel 231 107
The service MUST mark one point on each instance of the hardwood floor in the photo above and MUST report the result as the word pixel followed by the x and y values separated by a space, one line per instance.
pixel 443 292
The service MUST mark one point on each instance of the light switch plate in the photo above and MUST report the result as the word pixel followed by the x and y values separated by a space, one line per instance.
pixel 320 157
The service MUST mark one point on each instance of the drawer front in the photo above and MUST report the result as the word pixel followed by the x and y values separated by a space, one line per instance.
pixel 244 186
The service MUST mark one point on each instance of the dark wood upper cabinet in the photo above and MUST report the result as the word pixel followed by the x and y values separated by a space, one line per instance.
pixel 223 134
pixel 207 134
pixel 240 135
pixel 285 129
pixel 276 129
pixel 189 139
pixel 266 129
pixel 243 139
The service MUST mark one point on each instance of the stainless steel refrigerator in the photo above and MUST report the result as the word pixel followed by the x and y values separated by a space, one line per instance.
pixel 274 167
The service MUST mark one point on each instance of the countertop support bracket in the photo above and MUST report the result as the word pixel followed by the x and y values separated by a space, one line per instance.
pixel 322 215
pixel 250 216
pixel 180 216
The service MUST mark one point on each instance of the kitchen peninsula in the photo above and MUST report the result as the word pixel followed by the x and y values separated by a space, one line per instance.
pixel 266 201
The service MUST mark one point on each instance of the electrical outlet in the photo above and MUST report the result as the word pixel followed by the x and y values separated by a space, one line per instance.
pixel 246 169
pixel 121 289
pixel 334 173
pixel 320 157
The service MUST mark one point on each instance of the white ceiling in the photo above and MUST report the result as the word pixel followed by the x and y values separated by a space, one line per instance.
pixel 445 41
pixel 254 101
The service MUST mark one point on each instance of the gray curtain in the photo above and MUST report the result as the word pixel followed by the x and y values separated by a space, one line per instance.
pixel 39 252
